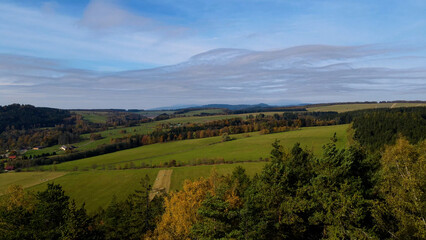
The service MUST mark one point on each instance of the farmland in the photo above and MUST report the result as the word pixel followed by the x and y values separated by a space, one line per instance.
pixel 144 128
pixel 26 179
pixel 245 147
pixel 353 107
pixel 97 187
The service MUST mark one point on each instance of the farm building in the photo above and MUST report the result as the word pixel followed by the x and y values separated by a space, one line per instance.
pixel 65 148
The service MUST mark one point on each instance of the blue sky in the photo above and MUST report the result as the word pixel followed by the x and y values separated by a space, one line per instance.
pixel 143 54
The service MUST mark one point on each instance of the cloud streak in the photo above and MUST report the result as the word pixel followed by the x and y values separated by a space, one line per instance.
pixel 310 73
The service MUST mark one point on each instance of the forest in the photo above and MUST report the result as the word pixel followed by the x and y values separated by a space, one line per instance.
pixel 343 194
pixel 18 116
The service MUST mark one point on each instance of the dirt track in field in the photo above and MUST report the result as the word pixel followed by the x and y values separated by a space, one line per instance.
pixel 162 183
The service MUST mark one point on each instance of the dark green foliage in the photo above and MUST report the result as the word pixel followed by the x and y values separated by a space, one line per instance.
pixel 132 218
pixel 15 223
pixel 26 116
pixel 340 190
pixel 218 220
pixel 79 225
pixel 49 216
pixel 50 212
pixel 297 196
pixel 220 214
pixel 374 129
pixel 277 204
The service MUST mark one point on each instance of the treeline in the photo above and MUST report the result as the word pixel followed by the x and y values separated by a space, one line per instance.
pixel 344 194
pixel 376 128
pixel 18 116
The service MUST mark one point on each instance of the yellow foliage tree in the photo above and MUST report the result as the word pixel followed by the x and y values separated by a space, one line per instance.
pixel 181 209
pixel 403 188
pixel 17 197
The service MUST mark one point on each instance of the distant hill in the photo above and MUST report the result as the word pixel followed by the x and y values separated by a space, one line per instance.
pixel 235 107
pixel 222 106
pixel 27 116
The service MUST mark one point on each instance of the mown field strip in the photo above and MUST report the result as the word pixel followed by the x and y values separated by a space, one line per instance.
pixel 161 183
pixel 26 179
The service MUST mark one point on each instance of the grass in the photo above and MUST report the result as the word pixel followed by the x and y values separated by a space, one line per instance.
pixel 243 148
pixel 353 107
pixel 118 132
pixel 97 188
pixel 26 179
pixel 94 116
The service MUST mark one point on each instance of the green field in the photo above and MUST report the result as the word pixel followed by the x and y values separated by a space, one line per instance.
pixel 94 116
pixel 26 179
pixel 353 107
pixel 97 188
pixel 144 128
pixel 243 148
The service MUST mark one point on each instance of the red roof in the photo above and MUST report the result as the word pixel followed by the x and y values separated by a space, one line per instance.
pixel 12 157
pixel 9 168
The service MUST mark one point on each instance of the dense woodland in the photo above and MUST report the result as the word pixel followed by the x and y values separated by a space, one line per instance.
pixel 344 194
pixel 19 117
pixel 377 128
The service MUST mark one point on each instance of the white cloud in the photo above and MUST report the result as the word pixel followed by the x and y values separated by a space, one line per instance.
pixel 299 74
pixel 104 34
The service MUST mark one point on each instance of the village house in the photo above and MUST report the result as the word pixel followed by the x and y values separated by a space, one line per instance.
pixel 64 147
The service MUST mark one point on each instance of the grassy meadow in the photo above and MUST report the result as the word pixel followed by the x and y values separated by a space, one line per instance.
pixel 244 147
pixel 144 128
pixel 97 188
pixel 26 179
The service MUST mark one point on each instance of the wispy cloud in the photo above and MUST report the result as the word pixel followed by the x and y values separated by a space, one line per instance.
pixel 313 73
pixel 64 55
pixel 105 33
